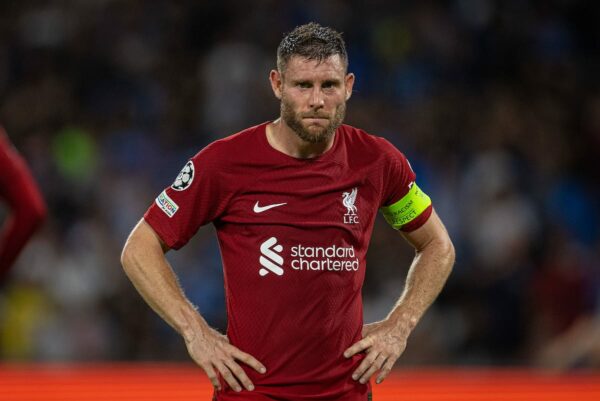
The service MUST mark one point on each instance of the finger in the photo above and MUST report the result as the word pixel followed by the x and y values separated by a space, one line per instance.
pixel 228 376
pixel 212 376
pixel 239 373
pixel 364 365
pixel 249 360
pixel 386 369
pixel 377 364
pixel 358 347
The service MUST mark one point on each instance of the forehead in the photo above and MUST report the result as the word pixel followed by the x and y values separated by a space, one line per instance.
pixel 299 67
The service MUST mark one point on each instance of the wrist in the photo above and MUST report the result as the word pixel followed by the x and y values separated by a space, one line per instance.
pixel 403 320
pixel 193 327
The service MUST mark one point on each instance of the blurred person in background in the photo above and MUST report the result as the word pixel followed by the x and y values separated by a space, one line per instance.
pixel 26 207
pixel 294 202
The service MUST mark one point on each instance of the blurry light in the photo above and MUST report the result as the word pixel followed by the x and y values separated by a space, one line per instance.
pixel 75 154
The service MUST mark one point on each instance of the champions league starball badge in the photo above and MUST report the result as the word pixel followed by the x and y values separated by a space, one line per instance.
pixel 185 178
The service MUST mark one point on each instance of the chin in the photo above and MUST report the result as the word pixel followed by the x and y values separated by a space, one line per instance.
pixel 316 131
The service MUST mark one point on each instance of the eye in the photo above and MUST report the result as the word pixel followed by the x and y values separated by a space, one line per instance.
pixel 330 84
pixel 303 85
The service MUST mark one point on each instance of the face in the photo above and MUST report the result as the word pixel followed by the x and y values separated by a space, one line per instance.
pixel 313 96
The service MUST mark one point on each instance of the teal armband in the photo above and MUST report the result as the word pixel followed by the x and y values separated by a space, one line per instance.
pixel 406 209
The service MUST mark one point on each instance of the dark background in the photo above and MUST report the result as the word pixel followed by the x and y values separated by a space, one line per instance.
pixel 495 103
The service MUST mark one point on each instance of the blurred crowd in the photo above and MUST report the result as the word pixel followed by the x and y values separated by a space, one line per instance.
pixel 495 103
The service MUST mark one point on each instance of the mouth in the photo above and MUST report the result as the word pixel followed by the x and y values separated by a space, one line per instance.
pixel 315 118
pixel 316 122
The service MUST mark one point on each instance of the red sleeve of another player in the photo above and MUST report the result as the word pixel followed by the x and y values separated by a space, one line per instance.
pixel 26 206
pixel 398 179
pixel 195 198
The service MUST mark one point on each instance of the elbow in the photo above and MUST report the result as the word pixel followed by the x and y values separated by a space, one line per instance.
pixel 444 250
pixel 127 254
pixel 130 259
pixel 449 253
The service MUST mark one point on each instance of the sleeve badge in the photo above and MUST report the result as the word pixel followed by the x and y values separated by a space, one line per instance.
pixel 185 177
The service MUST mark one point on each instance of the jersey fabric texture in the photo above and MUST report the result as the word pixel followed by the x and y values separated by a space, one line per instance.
pixel 293 235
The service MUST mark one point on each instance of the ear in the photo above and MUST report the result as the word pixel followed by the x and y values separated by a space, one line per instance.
pixel 349 83
pixel 276 82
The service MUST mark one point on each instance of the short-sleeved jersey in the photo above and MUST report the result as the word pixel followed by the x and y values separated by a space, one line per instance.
pixel 293 235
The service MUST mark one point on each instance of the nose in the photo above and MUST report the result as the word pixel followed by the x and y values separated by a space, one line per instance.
pixel 317 100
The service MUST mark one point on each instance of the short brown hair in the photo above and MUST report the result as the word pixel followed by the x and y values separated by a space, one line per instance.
pixel 311 41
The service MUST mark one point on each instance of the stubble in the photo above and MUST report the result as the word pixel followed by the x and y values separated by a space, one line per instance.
pixel 294 121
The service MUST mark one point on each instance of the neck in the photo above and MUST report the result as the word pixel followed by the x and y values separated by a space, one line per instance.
pixel 282 138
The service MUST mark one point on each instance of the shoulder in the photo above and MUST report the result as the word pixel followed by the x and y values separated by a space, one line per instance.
pixel 229 149
pixel 368 145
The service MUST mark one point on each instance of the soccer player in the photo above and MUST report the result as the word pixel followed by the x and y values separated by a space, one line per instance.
pixel 26 206
pixel 293 202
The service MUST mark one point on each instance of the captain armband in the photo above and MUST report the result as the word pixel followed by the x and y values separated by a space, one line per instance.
pixel 406 209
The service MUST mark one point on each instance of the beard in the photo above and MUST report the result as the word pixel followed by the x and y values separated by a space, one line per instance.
pixel 322 134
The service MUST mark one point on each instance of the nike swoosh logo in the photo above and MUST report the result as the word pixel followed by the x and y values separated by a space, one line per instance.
pixel 260 209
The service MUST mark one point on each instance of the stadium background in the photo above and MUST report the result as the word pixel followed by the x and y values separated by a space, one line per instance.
pixel 495 103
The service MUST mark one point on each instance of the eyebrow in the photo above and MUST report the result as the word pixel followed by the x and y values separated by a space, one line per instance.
pixel 331 81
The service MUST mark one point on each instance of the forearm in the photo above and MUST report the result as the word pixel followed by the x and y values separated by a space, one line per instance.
pixel 426 277
pixel 383 342
pixel 146 266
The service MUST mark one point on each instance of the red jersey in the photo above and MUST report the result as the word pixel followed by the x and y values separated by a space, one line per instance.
pixel 26 206
pixel 293 235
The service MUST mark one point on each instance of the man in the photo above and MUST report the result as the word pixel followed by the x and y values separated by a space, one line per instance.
pixel 294 202
pixel 26 207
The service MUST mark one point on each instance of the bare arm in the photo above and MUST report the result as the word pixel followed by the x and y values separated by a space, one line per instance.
pixel 385 341
pixel 428 272
pixel 145 264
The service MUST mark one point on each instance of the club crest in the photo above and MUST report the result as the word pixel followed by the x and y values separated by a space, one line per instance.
pixel 349 200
